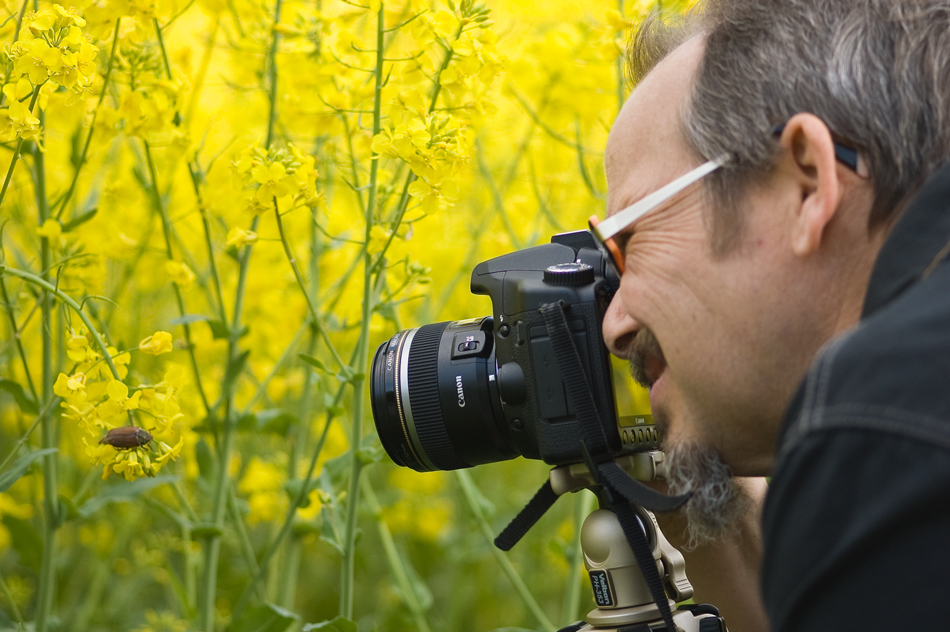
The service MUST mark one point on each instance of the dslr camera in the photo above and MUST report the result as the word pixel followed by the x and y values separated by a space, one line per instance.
pixel 461 393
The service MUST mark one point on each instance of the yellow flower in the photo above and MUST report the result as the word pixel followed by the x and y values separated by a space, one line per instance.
pixel 180 273
pixel 158 343
pixel 378 238
pixel 273 181
pixel 29 59
pixel 24 124
pixel 617 22
pixel 238 238
pixel 262 483
pixel 70 387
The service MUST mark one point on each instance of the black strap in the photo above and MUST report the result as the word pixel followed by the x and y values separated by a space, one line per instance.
pixel 526 518
pixel 595 440
pixel 619 487
pixel 641 550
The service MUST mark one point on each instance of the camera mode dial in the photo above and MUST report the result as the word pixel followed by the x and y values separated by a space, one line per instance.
pixel 574 274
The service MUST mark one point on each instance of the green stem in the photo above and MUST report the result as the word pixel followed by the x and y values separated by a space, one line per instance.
pixel 52 518
pixel 471 499
pixel 92 125
pixel 272 74
pixel 397 565
pixel 287 582
pixel 247 549
pixel 362 349
pixel 16 152
pixel 213 542
pixel 403 205
pixel 291 511
pixel 198 83
pixel 55 291
pixel 317 325
pixel 15 335
pixel 179 299
pixel 17 615
pixel 278 366
pixel 496 196
pixel 206 225
pixel 16 36
pixel 26 435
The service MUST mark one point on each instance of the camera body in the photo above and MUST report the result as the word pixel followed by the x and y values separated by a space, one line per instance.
pixel 535 405
pixel 458 394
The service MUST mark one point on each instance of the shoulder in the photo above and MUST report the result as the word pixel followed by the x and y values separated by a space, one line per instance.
pixel 891 374
pixel 858 495
pixel 854 528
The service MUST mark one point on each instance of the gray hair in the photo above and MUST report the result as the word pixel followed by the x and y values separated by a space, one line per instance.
pixel 877 72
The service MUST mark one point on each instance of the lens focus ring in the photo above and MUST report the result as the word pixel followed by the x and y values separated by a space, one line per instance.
pixel 424 408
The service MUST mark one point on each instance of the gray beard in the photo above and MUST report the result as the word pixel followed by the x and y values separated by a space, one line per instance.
pixel 716 502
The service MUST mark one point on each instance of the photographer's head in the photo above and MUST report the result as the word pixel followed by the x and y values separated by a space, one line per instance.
pixel 733 285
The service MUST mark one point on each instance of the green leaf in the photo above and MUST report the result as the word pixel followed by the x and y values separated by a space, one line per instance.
pixel 265 618
pixel 122 492
pixel 312 361
pixel 337 469
pixel 5 623
pixel 24 401
pixel 419 586
pixel 25 539
pixel 274 420
pixel 188 319
pixel 20 466
pixel 219 330
pixel 329 402
pixel 79 220
pixel 369 454
pixel 67 509
pixel 293 487
pixel 206 530
pixel 206 469
pixel 234 370
pixel 337 624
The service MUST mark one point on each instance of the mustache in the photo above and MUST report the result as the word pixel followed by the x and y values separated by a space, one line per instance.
pixel 644 347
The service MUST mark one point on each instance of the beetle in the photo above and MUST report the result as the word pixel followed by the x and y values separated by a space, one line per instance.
pixel 127 437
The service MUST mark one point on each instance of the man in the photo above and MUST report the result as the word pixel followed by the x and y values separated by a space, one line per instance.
pixel 816 124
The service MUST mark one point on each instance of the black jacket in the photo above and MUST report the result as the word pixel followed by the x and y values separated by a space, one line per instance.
pixel 857 518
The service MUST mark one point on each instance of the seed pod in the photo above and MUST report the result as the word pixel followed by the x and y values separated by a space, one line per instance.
pixel 127 437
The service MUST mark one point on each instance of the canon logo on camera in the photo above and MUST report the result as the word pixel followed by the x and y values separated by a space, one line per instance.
pixel 458 387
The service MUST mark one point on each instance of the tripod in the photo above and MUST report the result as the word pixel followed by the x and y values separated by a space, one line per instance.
pixel 624 600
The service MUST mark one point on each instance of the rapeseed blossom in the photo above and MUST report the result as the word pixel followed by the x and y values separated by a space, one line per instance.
pixel 248 195
pixel 158 343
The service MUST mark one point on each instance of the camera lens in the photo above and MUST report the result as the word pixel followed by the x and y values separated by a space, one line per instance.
pixel 435 397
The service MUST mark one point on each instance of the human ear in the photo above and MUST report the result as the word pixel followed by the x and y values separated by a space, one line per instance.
pixel 811 160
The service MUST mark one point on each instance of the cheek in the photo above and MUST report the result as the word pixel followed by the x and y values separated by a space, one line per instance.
pixel 665 288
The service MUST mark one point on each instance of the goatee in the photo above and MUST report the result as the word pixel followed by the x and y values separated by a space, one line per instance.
pixel 716 501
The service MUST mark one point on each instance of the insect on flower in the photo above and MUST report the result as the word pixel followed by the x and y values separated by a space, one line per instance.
pixel 127 437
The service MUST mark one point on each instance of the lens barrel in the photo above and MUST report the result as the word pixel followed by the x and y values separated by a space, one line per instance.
pixel 435 398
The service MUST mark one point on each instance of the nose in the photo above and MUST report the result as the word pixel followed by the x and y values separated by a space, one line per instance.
pixel 619 328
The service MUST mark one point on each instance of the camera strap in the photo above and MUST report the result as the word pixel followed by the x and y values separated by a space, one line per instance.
pixel 620 489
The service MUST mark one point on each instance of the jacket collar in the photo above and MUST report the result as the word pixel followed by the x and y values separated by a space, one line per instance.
pixel 919 241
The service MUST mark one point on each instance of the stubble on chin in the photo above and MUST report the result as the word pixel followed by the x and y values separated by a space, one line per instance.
pixel 716 502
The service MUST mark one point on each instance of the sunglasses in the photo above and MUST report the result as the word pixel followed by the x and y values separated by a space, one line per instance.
pixel 605 231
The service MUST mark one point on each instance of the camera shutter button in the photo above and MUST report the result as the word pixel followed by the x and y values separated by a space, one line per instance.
pixel 574 274
pixel 511 384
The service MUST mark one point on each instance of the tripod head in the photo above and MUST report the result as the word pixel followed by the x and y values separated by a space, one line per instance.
pixel 624 600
